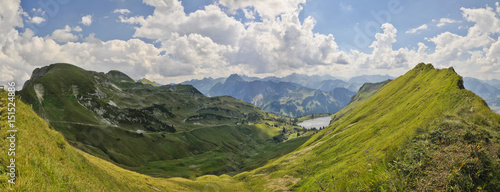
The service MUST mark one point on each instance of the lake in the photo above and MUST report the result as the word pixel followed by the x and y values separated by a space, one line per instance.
pixel 316 122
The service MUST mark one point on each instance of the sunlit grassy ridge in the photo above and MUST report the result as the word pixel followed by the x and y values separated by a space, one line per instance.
pixel 46 162
pixel 361 150
pixel 148 82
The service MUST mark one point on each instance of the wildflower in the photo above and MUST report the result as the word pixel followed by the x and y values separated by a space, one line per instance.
pixel 372 147
pixel 366 151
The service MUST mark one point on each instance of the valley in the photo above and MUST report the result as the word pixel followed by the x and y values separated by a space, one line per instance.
pixel 167 131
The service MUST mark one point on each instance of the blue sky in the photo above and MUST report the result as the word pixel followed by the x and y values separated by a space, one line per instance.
pixel 171 41
pixel 339 18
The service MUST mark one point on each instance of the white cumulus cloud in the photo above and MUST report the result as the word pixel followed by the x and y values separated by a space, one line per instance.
pixel 444 21
pixel 122 11
pixel 414 30
pixel 87 20
pixel 267 9
pixel 77 29
pixel 64 35
pixel 37 20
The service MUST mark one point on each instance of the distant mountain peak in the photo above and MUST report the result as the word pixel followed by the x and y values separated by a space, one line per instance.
pixel 234 78
pixel 39 72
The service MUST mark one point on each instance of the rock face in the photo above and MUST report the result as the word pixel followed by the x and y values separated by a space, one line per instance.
pixel 37 73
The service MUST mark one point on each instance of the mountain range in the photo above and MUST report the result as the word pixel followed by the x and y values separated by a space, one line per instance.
pixel 489 90
pixel 170 130
pixel 293 95
pixel 283 98
pixel 422 131
pixel 324 83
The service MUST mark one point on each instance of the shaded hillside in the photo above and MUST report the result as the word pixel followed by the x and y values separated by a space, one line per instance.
pixel 283 98
pixel 46 162
pixel 420 132
pixel 153 130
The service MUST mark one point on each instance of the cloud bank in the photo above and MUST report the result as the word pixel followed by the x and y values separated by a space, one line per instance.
pixel 211 42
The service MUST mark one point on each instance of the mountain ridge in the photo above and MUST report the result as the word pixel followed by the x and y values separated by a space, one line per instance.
pixel 373 145
pixel 153 129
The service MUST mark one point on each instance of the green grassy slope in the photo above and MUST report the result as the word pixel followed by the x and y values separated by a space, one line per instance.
pixel 421 131
pixel 150 129
pixel 46 162
pixel 148 82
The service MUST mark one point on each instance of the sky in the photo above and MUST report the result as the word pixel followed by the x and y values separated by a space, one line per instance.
pixel 170 41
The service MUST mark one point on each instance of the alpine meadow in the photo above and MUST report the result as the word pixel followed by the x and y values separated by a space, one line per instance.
pixel 224 95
